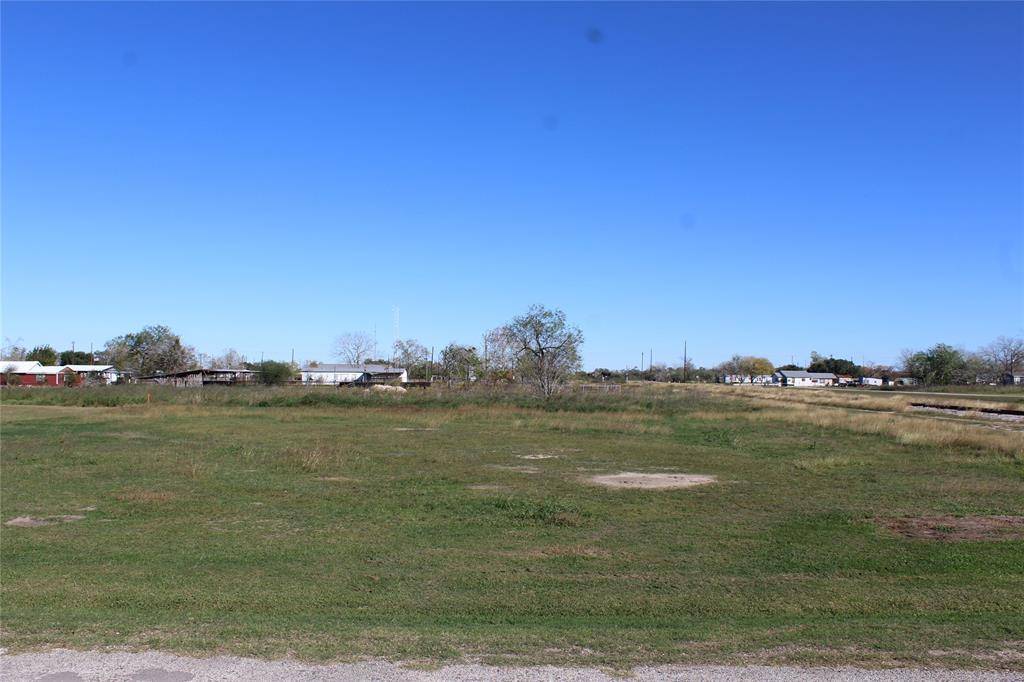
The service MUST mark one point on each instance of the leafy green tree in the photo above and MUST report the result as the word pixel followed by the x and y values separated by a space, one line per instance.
pixel 75 357
pixel 460 363
pixel 747 366
pixel 819 363
pixel 43 354
pixel 273 373
pixel 940 365
pixel 152 350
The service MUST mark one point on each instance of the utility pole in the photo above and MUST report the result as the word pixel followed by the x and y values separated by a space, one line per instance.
pixel 650 360
pixel 293 356
pixel 641 365
pixel 684 361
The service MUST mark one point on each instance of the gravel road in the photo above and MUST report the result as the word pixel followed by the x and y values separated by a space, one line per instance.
pixel 84 666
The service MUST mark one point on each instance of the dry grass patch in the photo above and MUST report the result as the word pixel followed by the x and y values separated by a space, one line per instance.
pixel 904 428
pixel 144 496
pixel 889 402
pixel 581 551
pixel 312 458
pixel 818 464
pixel 613 422
pixel 957 528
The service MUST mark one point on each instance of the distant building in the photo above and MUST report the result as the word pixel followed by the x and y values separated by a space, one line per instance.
pixel 871 381
pixel 337 375
pixel 756 379
pixel 28 373
pixel 1013 379
pixel 797 377
pixel 106 374
pixel 203 377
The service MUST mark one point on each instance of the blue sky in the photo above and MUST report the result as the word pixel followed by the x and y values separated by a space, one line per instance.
pixel 756 178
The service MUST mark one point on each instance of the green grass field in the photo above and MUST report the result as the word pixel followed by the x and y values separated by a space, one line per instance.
pixel 426 528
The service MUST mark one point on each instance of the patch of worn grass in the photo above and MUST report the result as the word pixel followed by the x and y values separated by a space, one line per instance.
pixel 272 530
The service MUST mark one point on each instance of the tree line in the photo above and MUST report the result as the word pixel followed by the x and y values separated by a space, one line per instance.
pixel 941 364
pixel 539 348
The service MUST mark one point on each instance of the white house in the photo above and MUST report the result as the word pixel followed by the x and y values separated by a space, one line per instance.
pixel 334 375
pixel 107 374
pixel 756 379
pixel 871 381
pixel 793 377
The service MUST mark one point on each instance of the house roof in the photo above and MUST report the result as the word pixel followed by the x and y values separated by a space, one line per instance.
pixel 355 369
pixel 801 374
pixel 19 366
pixel 185 372
pixel 47 369
pixel 90 368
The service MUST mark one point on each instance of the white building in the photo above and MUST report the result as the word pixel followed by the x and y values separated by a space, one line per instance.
pixel 107 374
pixel 870 381
pixel 756 379
pixel 334 375
pixel 793 377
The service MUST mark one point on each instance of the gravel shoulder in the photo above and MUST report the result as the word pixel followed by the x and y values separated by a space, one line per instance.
pixel 63 665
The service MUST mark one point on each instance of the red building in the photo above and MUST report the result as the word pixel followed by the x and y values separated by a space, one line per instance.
pixel 24 373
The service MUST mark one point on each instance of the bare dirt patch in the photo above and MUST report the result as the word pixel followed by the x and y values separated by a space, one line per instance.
pixel 539 455
pixel 628 479
pixel 414 428
pixel 26 522
pixel 336 479
pixel 35 522
pixel 491 487
pixel 957 528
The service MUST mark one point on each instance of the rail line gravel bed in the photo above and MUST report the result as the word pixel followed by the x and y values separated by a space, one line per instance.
pixel 63 665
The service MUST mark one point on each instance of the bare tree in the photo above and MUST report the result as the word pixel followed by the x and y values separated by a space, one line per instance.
pixel 501 355
pixel 1006 354
pixel 12 350
pixel 353 347
pixel 230 359
pixel 548 348
pixel 410 353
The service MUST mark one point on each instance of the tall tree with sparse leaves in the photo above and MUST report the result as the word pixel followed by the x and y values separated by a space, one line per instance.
pixel 547 348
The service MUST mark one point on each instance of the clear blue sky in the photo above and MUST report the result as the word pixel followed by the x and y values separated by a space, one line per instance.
pixel 755 178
